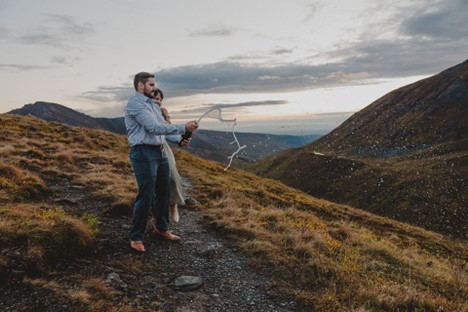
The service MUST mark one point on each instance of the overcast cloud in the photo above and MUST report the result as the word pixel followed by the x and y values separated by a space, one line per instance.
pixel 60 31
pixel 427 35
pixel 446 19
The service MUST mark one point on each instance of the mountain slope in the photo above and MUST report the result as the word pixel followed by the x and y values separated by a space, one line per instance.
pixel 423 114
pixel 213 145
pixel 64 115
pixel 61 184
pixel 404 156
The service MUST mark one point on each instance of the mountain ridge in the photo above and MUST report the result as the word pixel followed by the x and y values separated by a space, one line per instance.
pixel 59 113
pixel 210 144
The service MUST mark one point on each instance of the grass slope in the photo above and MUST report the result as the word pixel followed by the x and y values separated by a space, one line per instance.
pixel 330 257
pixel 404 156
pixel 425 188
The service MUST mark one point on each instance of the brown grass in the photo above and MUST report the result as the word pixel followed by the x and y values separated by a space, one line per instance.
pixel 423 188
pixel 332 257
pixel 39 236
pixel 329 257
pixel 18 184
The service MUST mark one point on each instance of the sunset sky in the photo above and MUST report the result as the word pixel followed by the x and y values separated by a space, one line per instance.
pixel 279 66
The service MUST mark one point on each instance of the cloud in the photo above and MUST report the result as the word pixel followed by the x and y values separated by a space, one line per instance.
pixel 372 61
pixel 253 103
pixel 64 60
pixel 402 58
pixel 235 77
pixel 360 64
pixel 55 60
pixel 109 94
pixel 365 64
pixel 19 68
pixel 281 51
pixel 106 111
pixel 213 31
pixel 247 57
pixel 261 56
pixel 446 19
pixel 4 32
pixel 423 44
pixel 109 101
pixel 58 31
pixel 205 107
pixel 427 43
pixel 311 10
pixel 199 110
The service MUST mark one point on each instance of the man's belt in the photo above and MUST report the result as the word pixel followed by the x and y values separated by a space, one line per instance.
pixel 160 146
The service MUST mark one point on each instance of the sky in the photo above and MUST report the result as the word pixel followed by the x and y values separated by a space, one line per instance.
pixel 277 66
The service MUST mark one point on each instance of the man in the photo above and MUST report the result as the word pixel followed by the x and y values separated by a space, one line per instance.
pixel 147 132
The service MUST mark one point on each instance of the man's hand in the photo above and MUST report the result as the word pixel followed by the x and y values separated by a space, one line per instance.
pixel 191 126
pixel 185 142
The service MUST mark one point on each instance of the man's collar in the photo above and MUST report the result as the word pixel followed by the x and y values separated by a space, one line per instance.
pixel 142 96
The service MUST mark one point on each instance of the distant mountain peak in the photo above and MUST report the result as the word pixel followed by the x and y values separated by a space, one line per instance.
pixel 62 114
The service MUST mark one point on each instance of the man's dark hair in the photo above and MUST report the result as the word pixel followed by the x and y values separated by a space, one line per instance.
pixel 156 91
pixel 141 77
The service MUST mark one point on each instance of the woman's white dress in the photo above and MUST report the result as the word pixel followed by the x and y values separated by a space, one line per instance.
pixel 177 196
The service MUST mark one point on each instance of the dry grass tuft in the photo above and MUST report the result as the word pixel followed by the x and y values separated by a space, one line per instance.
pixel 18 184
pixel 99 289
pixel 7 150
pixel 39 236
pixel 80 296
pixel 47 284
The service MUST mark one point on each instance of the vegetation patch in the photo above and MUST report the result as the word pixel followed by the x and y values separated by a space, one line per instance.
pixel 17 184
pixel 34 237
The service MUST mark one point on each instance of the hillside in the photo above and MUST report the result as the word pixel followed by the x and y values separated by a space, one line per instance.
pixel 420 116
pixel 64 115
pixel 213 145
pixel 65 202
pixel 405 156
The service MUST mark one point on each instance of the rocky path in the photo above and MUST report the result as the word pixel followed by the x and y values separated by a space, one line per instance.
pixel 229 283
pixel 144 282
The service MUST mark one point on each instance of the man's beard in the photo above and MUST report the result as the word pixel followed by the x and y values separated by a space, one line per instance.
pixel 149 94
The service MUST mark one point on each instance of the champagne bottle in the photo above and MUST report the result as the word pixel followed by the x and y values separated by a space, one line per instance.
pixel 186 135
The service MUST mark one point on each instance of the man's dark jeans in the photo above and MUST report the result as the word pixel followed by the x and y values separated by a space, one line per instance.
pixel 152 174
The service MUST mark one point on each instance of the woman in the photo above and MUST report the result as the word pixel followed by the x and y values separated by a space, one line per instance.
pixel 176 196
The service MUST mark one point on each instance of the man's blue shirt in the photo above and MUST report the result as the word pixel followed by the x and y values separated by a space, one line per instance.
pixel 146 125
